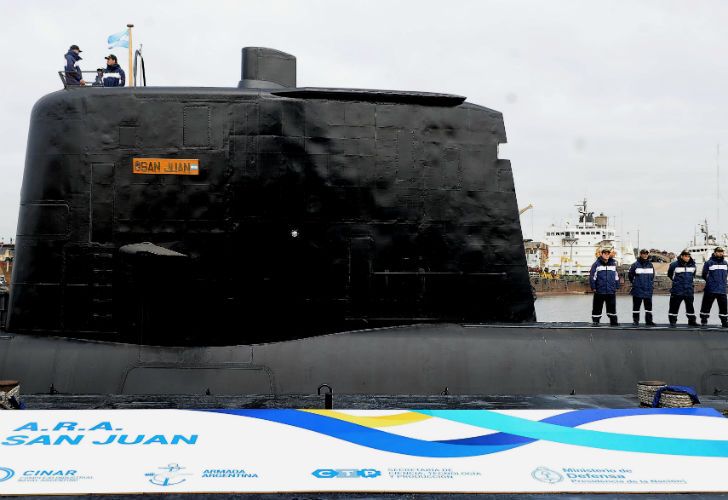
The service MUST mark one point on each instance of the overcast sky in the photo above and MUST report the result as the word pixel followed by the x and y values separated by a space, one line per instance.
pixel 621 102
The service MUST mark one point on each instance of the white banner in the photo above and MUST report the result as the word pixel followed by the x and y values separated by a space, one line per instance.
pixel 128 451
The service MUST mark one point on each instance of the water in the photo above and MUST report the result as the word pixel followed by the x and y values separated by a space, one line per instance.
pixel 578 308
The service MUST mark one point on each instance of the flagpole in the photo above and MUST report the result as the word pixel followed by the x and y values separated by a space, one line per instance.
pixel 131 69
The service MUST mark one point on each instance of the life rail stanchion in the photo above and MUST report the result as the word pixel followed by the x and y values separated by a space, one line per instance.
pixel 328 397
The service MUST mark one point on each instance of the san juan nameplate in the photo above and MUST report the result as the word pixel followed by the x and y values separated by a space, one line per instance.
pixel 165 166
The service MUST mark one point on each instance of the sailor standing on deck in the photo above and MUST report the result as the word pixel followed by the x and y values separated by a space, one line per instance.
pixel 73 70
pixel 715 274
pixel 642 277
pixel 682 273
pixel 114 76
pixel 604 282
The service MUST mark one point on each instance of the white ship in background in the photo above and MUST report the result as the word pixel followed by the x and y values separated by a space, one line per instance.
pixel 701 251
pixel 574 246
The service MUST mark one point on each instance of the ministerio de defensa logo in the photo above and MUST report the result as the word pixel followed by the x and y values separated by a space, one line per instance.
pixel 546 475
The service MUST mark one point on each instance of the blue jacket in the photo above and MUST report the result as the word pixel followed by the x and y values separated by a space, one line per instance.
pixel 642 277
pixel 682 275
pixel 73 71
pixel 114 76
pixel 603 277
pixel 715 274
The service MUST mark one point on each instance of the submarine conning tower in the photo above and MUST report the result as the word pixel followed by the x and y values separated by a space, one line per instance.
pixel 220 216
pixel 267 68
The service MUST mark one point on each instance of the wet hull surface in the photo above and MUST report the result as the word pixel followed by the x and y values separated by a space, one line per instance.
pixel 418 359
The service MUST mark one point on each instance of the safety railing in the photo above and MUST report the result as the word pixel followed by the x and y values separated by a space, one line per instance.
pixel 93 79
pixel 90 77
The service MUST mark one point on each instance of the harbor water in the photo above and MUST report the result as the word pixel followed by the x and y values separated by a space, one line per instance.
pixel 578 308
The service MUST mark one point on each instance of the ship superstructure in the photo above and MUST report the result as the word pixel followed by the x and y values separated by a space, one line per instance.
pixel 702 250
pixel 573 246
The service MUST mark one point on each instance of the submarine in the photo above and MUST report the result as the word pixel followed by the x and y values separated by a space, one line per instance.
pixel 269 238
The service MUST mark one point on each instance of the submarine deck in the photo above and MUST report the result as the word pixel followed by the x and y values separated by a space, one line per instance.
pixel 541 358
pixel 347 401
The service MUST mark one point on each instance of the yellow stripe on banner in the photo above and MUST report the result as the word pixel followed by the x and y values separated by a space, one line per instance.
pixel 378 421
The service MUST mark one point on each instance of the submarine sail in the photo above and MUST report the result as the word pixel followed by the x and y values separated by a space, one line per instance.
pixel 223 216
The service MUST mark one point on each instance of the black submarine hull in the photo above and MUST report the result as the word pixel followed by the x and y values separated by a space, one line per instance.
pixel 272 238
pixel 413 359
pixel 346 208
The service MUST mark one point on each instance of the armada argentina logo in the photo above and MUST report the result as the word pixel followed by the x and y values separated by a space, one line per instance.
pixel 6 473
pixel 546 475
pixel 234 473
pixel 169 476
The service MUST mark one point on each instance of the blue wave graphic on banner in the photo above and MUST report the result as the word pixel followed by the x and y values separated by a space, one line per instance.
pixel 580 417
pixel 565 434
pixel 365 436
pixel 513 432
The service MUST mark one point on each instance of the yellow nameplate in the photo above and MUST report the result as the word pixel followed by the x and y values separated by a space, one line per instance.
pixel 165 166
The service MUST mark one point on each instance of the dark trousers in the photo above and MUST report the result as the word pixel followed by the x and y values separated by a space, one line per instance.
pixel 604 298
pixel 675 301
pixel 708 299
pixel 636 303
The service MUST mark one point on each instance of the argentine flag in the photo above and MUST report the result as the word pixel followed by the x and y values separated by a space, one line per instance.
pixel 120 39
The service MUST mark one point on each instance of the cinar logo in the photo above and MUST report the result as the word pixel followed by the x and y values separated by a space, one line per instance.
pixel 50 472
pixel 6 473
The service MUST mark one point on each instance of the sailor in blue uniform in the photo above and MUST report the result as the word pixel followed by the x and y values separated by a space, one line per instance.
pixel 682 274
pixel 642 277
pixel 715 274
pixel 604 282
pixel 74 76
pixel 114 76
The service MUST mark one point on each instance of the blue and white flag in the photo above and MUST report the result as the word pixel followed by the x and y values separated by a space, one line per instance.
pixel 120 39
